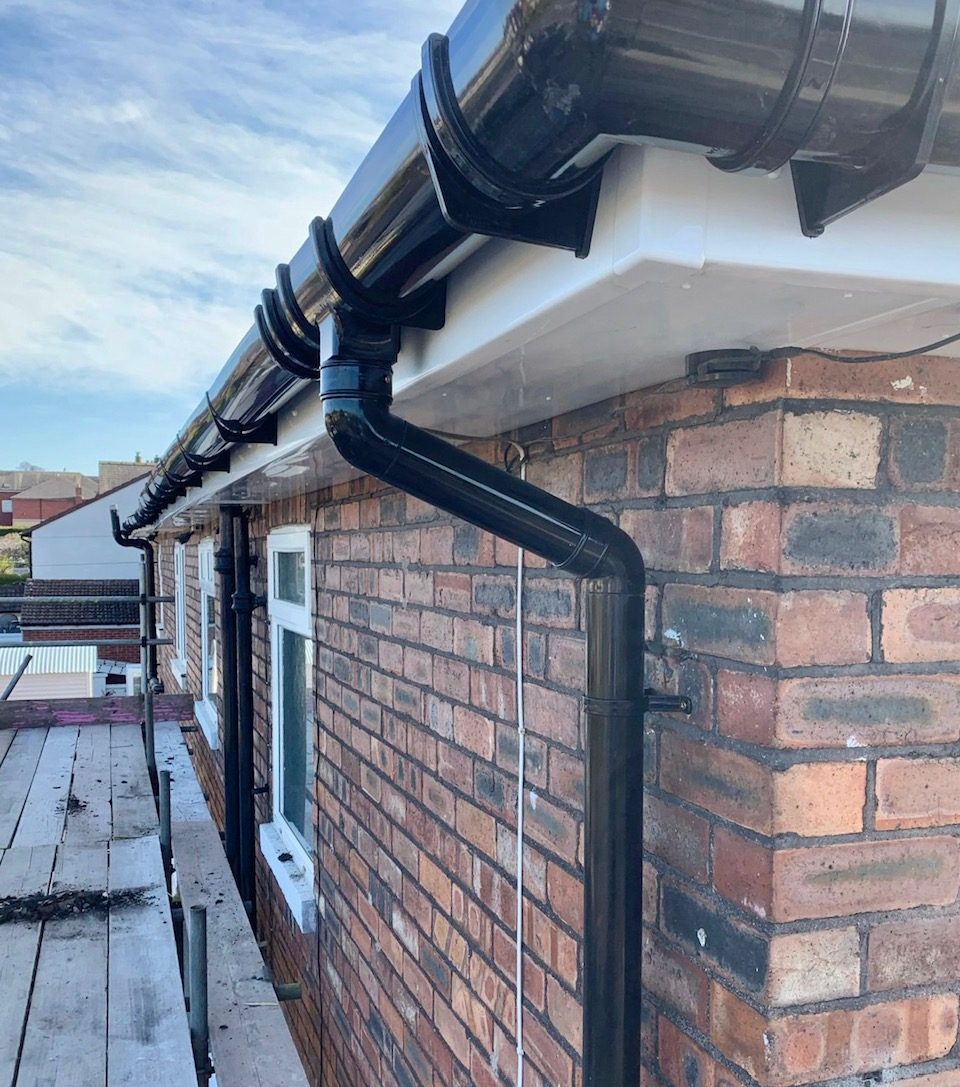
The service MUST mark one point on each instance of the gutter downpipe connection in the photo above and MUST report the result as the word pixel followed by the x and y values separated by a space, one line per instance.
pixel 223 566
pixel 150 683
pixel 244 601
pixel 356 399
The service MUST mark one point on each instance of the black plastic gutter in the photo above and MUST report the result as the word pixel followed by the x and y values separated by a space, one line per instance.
pixel 356 406
pixel 504 131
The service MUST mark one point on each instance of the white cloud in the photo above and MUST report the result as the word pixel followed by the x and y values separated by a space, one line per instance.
pixel 158 161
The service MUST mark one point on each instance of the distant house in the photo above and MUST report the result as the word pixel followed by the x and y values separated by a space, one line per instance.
pixel 50 497
pixel 52 673
pixel 100 618
pixel 77 543
pixel 114 473
pixel 14 482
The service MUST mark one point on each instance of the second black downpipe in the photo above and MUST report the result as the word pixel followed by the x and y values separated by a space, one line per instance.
pixel 223 566
pixel 244 602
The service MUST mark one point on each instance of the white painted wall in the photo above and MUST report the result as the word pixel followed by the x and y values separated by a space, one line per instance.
pixel 79 545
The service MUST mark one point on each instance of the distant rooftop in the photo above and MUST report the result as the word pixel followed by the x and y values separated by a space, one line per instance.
pixel 114 473
pixel 13 479
pixel 97 613
pixel 102 495
pixel 62 486
pixel 7 591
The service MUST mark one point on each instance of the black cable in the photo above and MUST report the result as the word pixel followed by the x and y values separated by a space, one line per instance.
pixel 787 352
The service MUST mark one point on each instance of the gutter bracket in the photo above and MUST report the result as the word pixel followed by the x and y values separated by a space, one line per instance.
pixel 825 193
pixel 424 307
pixel 475 194
pixel 263 432
pixel 219 462
pixel 287 351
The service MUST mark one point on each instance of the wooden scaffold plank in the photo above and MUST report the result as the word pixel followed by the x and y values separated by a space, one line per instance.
pixel 65 1042
pixel 149 1041
pixel 45 811
pixel 249 1037
pixel 22 872
pixel 89 814
pixel 16 776
pixel 186 797
pixel 134 811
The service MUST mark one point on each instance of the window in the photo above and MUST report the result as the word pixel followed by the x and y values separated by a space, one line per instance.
pixel 180 612
pixel 206 708
pixel 6 505
pixel 158 608
pixel 286 842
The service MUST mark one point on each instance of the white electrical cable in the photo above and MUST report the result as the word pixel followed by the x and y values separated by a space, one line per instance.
pixel 521 763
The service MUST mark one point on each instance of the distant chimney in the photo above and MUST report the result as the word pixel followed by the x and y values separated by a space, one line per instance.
pixel 138 459
pixel 78 493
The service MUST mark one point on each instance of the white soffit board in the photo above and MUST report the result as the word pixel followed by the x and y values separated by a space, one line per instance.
pixel 683 258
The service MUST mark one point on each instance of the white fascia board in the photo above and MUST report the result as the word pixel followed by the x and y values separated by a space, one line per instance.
pixel 683 257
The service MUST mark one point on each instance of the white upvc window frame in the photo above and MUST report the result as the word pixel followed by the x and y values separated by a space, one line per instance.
pixel 179 663
pixel 289 857
pixel 206 709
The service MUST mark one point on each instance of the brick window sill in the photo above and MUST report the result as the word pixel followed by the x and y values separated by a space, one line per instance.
pixel 295 881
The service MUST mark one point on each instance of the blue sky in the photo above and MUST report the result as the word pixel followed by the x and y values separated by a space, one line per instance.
pixel 157 161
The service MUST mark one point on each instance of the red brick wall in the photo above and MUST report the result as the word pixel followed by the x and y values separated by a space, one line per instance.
pixel 39 509
pixel 128 653
pixel 804 852
pixel 803 865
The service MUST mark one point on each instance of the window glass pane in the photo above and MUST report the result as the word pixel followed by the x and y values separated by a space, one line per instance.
pixel 296 728
pixel 180 604
pixel 210 632
pixel 290 582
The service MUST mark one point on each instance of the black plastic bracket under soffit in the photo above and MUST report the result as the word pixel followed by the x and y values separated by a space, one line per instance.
pixel 825 193
pixel 475 194
pixel 262 432
pixel 424 307
pixel 219 462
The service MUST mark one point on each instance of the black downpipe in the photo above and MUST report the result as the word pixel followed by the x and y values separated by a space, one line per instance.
pixel 223 565
pixel 123 539
pixel 356 403
pixel 243 604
